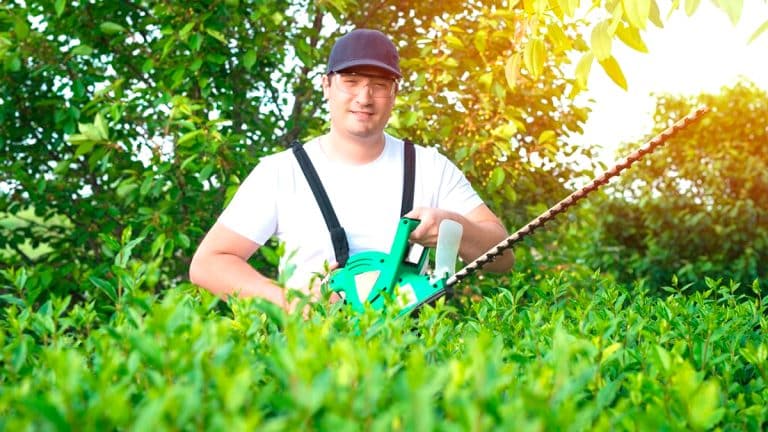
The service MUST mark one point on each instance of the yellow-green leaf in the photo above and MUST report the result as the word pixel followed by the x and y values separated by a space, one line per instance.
pixel 631 37
pixel 733 8
pixel 655 15
pixel 705 410
pixel 546 136
pixel 486 80
pixel 533 57
pixel 101 126
pixel 184 32
pixel 601 40
pixel 558 38
pixel 189 136
pixel 612 68
pixel 637 12
pixel 569 7
pixel 216 35
pixel 609 351
pixel 512 70
pixel 481 40
pixel 583 68
pixel 691 6
pixel 453 41
pixel 90 131
pixel 758 32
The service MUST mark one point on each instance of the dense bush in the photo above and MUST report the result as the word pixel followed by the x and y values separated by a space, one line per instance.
pixel 697 207
pixel 558 353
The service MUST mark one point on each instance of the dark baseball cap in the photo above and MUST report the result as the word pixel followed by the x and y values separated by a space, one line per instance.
pixel 364 47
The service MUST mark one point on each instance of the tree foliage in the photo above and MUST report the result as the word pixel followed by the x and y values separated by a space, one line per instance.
pixel 129 125
pixel 697 208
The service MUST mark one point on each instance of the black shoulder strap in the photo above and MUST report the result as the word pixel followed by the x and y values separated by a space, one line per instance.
pixel 338 236
pixel 409 176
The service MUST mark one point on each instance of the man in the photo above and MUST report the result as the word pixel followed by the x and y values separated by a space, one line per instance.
pixel 361 169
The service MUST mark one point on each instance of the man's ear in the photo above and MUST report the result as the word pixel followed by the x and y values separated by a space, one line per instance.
pixel 326 85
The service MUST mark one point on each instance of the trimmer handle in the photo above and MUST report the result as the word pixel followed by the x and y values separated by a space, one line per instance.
pixel 368 275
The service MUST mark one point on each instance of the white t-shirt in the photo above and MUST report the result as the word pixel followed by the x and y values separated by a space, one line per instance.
pixel 276 200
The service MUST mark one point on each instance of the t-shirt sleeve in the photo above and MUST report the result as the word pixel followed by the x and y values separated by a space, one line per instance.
pixel 252 212
pixel 455 193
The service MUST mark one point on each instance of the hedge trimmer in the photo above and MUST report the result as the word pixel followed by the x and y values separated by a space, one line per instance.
pixel 370 278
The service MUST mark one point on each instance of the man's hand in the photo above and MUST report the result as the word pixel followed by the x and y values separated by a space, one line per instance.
pixel 426 233
pixel 482 230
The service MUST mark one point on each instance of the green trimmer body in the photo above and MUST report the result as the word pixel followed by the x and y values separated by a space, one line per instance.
pixel 371 277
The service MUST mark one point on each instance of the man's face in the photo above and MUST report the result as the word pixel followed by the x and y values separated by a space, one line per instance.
pixel 358 100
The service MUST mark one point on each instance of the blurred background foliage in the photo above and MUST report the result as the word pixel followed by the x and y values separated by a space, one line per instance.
pixel 128 126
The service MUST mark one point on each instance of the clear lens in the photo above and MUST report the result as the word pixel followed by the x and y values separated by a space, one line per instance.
pixel 354 83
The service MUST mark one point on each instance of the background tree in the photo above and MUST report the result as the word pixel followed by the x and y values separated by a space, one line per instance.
pixel 698 207
pixel 127 126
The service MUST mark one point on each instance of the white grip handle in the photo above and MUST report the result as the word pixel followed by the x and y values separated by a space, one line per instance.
pixel 447 248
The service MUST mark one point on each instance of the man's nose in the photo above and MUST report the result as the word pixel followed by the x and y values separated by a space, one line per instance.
pixel 365 93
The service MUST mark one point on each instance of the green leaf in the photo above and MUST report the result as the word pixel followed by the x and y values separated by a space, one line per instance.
pixel 83 50
pixel 12 63
pixel 637 12
pixel 47 411
pixel 663 358
pixel 125 188
pixel 21 28
pixel 216 35
pixel 184 32
pixel 105 286
pixel 189 136
pixel 195 41
pixel 148 65
pixel 497 178
pixel 612 68
pixel 760 30
pixel 109 27
pixel 58 6
pixel 84 148
pixel 269 254
pixel 249 59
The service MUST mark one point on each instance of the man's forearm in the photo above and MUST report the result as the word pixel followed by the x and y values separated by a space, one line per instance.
pixel 478 238
pixel 226 274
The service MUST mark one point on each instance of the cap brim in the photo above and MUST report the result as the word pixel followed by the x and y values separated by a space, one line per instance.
pixel 366 62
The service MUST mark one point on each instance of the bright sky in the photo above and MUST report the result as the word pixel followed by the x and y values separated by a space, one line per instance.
pixel 690 55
